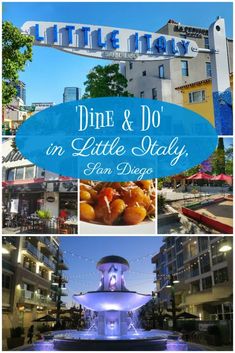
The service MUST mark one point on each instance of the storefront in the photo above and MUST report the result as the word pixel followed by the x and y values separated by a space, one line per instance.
pixel 28 189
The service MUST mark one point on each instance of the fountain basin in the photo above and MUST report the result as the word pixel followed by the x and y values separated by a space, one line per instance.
pixel 116 300
pixel 154 340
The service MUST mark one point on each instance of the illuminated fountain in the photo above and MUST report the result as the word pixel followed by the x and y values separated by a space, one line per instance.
pixel 112 327
pixel 112 301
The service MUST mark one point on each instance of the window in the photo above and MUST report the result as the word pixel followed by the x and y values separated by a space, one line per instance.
pixel 6 281
pixel 206 42
pixel 29 172
pixel 180 260
pixel 203 243
pixel 184 68
pixel 142 94
pixel 179 244
pixel 154 93
pixel 19 173
pixel 144 73
pixel 207 283
pixel 217 256
pixel 130 66
pixel 194 270
pixel 195 287
pixel 197 96
pixel 161 71
pixel 208 69
pixel 11 174
pixel 205 263
pixel 221 275
pixel 130 79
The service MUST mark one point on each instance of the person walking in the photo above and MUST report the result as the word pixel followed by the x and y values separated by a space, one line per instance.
pixel 30 334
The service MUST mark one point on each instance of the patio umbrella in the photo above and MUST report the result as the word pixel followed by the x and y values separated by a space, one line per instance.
pixel 200 176
pixel 46 318
pixel 186 315
pixel 223 177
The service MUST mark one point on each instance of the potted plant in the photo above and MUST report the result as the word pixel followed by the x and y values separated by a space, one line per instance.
pixel 16 339
pixel 45 216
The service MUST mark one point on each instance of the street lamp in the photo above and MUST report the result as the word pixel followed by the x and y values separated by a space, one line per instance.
pixel 225 246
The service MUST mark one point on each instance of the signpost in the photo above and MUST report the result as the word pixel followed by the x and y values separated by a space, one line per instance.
pixel 109 42
pixel 132 45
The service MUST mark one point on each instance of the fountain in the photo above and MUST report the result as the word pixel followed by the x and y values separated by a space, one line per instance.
pixel 113 303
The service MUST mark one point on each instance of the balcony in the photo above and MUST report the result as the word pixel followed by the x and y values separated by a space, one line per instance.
pixel 49 244
pixel 32 250
pixel 29 297
pixel 38 255
pixel 47 262
pixel 62 265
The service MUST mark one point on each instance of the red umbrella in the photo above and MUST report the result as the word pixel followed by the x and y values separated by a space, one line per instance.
pixel 223 177
pixel 199 176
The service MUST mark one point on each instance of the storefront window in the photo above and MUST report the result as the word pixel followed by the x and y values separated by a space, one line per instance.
pixel 205 263
pixel 29 172
pixel 19 173
pixel 207 283
pixel 11 174
pixel 221 275
pixel 68 202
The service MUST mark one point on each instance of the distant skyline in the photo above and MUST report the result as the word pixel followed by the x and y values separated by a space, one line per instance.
pixel 51 70
pixel 82 253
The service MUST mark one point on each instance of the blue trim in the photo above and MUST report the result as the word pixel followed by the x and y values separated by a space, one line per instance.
pixel 37 36
pixel 70 33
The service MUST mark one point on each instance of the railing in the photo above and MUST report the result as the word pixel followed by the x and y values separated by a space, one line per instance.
pixel 39 256
pixel 34 298
pixel 49 244
pixel 31 248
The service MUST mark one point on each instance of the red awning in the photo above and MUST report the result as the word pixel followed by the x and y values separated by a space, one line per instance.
pixel 223 177
pixel 200 176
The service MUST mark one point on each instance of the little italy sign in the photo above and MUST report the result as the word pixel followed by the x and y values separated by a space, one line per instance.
pixel 109 42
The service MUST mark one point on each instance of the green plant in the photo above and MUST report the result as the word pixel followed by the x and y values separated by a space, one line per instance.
pixel 160 184
pixel 16 52
pixel 44 214
pixel 17 331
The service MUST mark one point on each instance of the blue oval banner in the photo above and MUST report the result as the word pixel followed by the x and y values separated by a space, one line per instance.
pixel 116 139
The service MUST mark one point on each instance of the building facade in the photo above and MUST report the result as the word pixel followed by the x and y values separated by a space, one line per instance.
pixel 39 106
pixel 21 91
pixel 13 116
pixel 28 188
pixel 29 269
pixel 203 273
pixel 158 79
pixel 71 94
pixel 197 96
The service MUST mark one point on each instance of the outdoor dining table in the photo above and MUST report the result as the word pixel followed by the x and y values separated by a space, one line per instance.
pixel 72 225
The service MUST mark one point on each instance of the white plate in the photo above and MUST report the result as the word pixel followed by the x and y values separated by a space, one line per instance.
pixel 144 228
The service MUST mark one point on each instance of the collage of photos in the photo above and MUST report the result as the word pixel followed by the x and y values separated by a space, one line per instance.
pixel 140 265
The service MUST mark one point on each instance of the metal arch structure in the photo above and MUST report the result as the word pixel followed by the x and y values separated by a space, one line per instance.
pixel 131 45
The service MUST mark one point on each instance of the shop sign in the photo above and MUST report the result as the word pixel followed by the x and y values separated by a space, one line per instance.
pixel 109 42
pixel 50 199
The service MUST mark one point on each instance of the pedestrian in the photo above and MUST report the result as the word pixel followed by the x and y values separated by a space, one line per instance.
pixel 30 334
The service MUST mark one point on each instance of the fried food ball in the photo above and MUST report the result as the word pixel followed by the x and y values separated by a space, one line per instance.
pixel 87 212
pixel 116 209
pixel 85 195
pixel 134 215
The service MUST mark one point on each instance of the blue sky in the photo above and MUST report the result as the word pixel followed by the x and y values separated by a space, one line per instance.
pixel 52 70
pixel 82 254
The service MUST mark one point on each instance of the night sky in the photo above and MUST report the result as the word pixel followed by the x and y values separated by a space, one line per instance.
pixel 82 254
